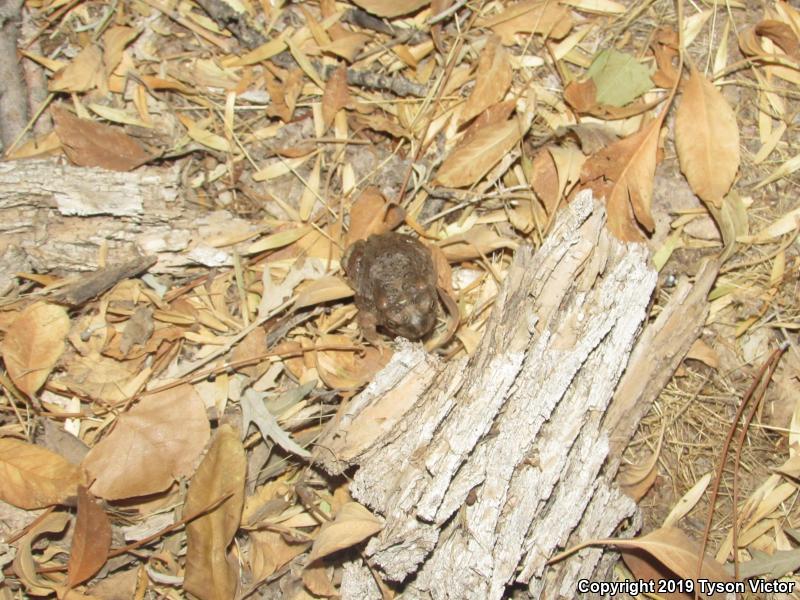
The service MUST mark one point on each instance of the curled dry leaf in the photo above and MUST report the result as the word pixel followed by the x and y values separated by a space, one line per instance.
pixel 34 477
pixel 492 82
pixel 348 368
pixel 153 444
pixel 353 524
pixel 623 173
pixel 782 36
pixel 636 480
pixel 33 344
pixel 371 213
pixel 26 567
pixel 91 540
pixel 707 139
pixel 209 573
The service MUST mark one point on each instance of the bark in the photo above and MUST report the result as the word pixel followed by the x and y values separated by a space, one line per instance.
pixel 56 217
pixel 486 467
pixel 13 94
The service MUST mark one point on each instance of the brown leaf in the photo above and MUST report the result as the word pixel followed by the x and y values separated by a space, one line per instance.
pixel 492 82
pixel 347 368
pixel 151 445
pixel 209 573
pixel 581 95
pixel 391 8
pixel 34 477
pixel 543 178
pixel 707 139
pixel 624 173
pixel 542 17
pixel 665 50
pixel 782 35
pixel 336 95
pixel 353 524
pixel 318 582
pixel 91 540
pixel 470 161
pixel 636 479
pixel 33 344
pixel 25 566
pixel 114 41
pixel 283 95
pixel 82 74
pixel 475 243
pixel 269 551
pixel 675 551
pixel 90 144
pixel 371 213
pixel 323 289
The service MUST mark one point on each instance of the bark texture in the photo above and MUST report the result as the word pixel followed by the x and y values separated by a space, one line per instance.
pixel 54 216
pixel 485 467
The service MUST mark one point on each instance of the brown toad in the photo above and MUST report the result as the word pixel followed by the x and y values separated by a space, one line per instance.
pixel 394 279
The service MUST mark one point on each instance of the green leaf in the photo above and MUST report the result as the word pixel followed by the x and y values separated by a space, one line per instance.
pixel 619 78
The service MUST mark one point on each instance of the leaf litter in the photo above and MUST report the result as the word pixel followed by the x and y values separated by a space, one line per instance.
pixel 323 122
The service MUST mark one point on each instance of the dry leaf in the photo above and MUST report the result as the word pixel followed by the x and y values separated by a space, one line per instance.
pixel 707 139
pixel 336 95
pixel 371 213
pixel 82 74
pixel 318 582
pixel 347 368
pixel 627 169
pixel 673 550
pixel 269 551
pixel 24 564
pixel 353 524
pixel 665 50
pixel 781 35
pixel 391 8
pixel 492 82
pixel 543 178
pixel 530 16
pixel 687 501
pixel 704 353
pixel 114 41
pixel 33 344
pixel 34 477
pixel 91 540
pixel 328 288
pixel 152 445
pixel 469 162
pixel 636 479
pixel 90 144
pixel 209 573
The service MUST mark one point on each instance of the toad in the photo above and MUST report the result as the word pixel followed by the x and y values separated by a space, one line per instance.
pixel 394 280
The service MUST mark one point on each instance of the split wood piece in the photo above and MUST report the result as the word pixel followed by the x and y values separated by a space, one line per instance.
pixel 58 217
pixel 482 464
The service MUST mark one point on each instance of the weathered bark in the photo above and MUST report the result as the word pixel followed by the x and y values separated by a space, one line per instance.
pixel 54 216
pixel 489 464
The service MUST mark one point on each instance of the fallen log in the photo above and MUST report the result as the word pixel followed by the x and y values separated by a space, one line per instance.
pixel 485 467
